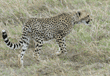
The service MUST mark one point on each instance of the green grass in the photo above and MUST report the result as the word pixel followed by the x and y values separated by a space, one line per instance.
pixel 88 47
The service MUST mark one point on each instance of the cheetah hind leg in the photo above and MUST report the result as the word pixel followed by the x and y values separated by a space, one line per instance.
pixel 20 61
pixel 62 47
pixel 38 46
pixel 20 56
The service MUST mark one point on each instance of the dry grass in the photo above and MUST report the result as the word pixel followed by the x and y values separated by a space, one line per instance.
pixel 88 47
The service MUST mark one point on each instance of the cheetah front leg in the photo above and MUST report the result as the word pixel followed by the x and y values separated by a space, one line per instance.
pixel 62 46
pixel 38 46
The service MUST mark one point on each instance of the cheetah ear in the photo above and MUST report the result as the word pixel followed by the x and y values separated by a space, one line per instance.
pixel 79 13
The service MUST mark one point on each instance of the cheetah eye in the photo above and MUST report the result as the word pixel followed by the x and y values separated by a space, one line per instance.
pixel 87 15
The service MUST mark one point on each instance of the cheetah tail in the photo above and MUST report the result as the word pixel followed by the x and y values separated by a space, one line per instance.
pixel 10 44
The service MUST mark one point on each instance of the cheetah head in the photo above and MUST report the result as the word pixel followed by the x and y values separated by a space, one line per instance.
pixel 82 17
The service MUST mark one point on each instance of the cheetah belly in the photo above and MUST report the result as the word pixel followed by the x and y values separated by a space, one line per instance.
pixel 43 34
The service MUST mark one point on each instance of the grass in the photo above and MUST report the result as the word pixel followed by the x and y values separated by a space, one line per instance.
pixel 88 47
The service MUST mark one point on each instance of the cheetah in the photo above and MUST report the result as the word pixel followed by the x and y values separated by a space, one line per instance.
pixel 44 29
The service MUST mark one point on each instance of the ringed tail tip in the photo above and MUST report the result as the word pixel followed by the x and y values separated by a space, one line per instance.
pixel 3 31
pixel 4 34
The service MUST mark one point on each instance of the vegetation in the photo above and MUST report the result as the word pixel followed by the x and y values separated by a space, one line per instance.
pixel 88 47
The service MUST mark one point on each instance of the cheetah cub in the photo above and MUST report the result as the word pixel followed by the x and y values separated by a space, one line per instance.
pixel 44 29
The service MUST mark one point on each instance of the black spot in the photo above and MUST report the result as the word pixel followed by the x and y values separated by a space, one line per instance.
pixel 22 54
pixel 59 45
pixel 25 28
pixel 37 45
pixel 62 51
pixel 87 15
pixel 36 50
pixel 38 53
pixel 23 50
pixel 79 13
pixel 62 44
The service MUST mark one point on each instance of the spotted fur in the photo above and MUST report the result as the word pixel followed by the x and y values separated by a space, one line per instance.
pixel 44 29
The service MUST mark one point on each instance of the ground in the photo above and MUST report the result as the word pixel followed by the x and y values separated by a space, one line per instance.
pixel 88 47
